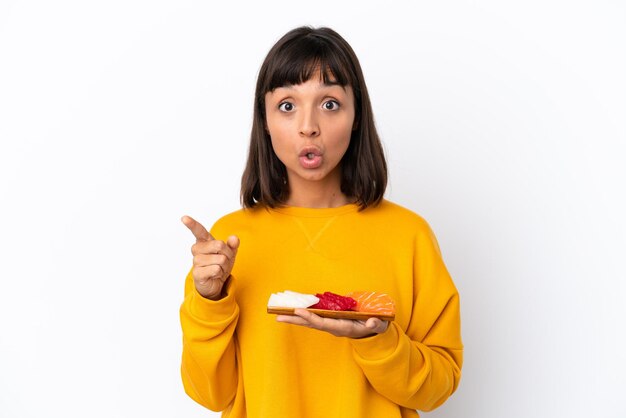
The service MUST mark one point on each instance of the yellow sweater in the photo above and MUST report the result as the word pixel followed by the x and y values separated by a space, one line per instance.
pixel 239 359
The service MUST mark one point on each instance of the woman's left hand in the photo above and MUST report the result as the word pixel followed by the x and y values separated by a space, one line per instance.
pixel 338 327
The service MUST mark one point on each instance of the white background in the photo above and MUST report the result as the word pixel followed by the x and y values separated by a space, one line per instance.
pixel 504 126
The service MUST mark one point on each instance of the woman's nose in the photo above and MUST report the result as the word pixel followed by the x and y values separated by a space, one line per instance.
pixel 309 125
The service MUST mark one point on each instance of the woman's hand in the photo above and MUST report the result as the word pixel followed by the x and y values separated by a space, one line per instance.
pixel 213 260
pixel 338 327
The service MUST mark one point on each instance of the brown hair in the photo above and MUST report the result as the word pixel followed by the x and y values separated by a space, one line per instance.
pixel 293 60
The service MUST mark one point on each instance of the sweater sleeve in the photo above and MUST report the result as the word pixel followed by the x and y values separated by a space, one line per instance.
pixel 420 367
pixel 209 366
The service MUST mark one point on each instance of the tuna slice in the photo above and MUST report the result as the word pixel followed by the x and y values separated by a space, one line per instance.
pixel 334 302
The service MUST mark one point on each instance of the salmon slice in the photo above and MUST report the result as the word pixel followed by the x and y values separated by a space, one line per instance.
pixel 380 303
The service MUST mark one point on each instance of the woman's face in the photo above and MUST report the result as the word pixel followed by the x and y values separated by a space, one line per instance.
pixel 310 125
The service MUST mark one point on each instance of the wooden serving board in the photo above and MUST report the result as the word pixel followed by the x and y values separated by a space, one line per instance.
pixel 332 314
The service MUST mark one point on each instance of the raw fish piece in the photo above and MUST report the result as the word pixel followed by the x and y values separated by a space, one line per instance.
pixel 334 302
pixel 374 302
pixel 289 299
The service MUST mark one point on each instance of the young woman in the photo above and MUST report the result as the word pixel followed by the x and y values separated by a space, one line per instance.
pixel 315 220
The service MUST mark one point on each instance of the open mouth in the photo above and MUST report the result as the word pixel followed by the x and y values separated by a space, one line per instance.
pixel 311 157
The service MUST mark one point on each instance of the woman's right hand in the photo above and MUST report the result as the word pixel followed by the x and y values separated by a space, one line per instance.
pixel 213 260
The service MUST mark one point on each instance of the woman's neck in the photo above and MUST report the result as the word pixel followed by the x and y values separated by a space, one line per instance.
pixel 316 194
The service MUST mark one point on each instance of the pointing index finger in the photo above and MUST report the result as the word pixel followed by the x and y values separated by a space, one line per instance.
pixel 197 229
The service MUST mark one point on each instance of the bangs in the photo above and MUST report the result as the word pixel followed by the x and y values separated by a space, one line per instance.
pixel 301 59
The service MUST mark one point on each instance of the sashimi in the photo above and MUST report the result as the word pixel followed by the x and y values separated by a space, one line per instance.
pixel 356 305
pixel 334 302
pixel 292 299
pixel 373 302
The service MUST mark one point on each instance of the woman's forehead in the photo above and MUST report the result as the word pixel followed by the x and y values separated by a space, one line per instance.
pixel 318 79
pixel 298 73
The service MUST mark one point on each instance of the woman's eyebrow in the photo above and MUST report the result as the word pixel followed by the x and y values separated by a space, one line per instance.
pixel 327 84
pixel 335 84
pixel 332 83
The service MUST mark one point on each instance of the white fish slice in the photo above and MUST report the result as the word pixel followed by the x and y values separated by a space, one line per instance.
pixel 290 299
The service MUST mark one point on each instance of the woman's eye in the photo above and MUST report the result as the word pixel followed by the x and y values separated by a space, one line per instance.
pixel 331 105
pixel 285 107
